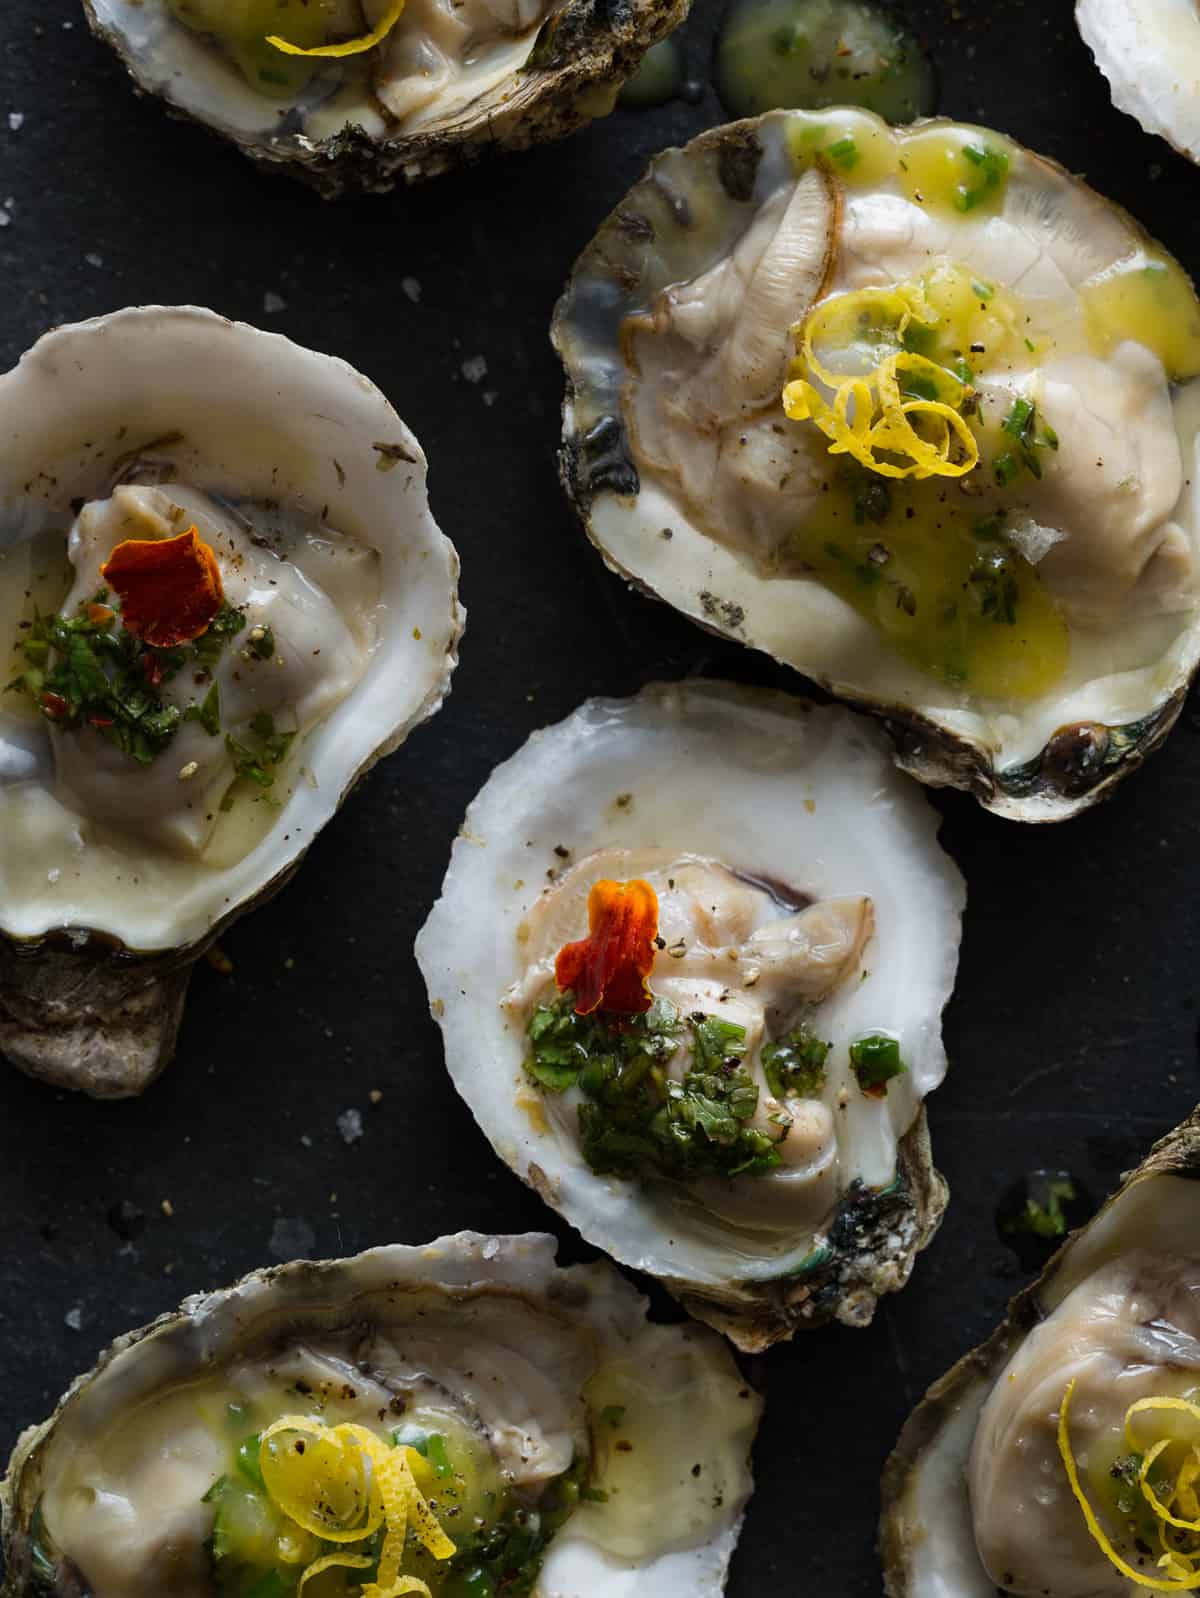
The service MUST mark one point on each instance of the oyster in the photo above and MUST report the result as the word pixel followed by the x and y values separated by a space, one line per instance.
pixel 1091 1363
pixel 442 84
pixel 543 1421
pixel 149 795
pixel 756 1138
pixel 915 412
pixel 1149 50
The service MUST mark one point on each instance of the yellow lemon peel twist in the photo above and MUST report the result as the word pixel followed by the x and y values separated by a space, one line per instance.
pixel 869 417
pixel 368 41
pixel 390 1498
pixel 1183 1569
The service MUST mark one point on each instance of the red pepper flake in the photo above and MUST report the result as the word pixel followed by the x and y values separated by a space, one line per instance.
pixel 608 968
pixel 152 670
pixel 98 720
pixel 170 588
pixel 55 706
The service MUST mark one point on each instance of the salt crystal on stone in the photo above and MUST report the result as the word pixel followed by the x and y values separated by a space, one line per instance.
pixel 349 1124
pixel 16 120
pixel 93 259
pixel 475 369
pixel 74 1318
pixel 273 303
pixel 491 1248
pixel 411 287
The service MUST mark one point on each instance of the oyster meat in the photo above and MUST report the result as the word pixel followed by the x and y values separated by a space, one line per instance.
pixel 438 81
pixel 1094 1374
pixel 458 1419
pixel 162 771
pixel 748 1127
pixel 914 411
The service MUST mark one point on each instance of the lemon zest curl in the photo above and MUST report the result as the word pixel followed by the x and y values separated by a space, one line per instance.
pixel 358 46
pixel 869 419
pixel 1183 1574
pixel 391 1499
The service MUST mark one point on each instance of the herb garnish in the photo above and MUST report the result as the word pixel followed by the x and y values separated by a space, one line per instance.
pixel 1021 425
pixel 634 1116
pixel 987 179
pixel 875 1060
pixel 1045 1220
pixel 794 1066
pixel 256 766
pixel 88 670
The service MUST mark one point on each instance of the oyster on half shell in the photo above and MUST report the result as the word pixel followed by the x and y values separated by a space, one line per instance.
pixel 732 1140
pixel 451 80
pixel 549 1425
pixel 973 511
pixel 977 1496
pixel 149 796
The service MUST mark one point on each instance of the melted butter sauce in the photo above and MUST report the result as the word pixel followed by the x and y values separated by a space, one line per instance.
pixel 1149 299
pixel 35 577
pixel 242 27
pixel 815 53
pixel 662 76
pixel 957 601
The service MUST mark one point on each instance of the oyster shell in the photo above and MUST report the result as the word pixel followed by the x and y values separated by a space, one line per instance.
pixel 676 329
pixel 523 1367
pixel 976 1475
pixel 115 876
pixel 448 84
pixel 799 884
pixel 1149 50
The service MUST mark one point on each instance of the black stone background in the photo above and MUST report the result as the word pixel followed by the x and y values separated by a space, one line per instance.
pixel 1072 1035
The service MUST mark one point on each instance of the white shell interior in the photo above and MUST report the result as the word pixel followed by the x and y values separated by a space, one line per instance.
pixel 775 790
pixel 1149 50
pixel 254 417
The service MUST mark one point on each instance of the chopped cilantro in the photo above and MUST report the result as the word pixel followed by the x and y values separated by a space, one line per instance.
pixel 795 1065
pixel 1021 425
pixel 1005 469
pixel 256 766
pixel 261 643
pixel 918 339
pixel 875 1060
pixel 846 153
pixel 88 670
pixel 994 587
pixel 634 1116
pixel 613 1414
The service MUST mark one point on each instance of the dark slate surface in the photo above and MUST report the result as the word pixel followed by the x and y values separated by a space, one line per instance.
pixel 1073 1032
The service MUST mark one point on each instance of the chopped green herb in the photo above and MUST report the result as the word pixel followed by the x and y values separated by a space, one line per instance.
pixel 257 766
pixel 613 1414
pixel 261 643
pixel 634 1116
pixel 794 1065
pixel 918 339
pixel 989 169
pixel 982 291
pixel 1021 424
pixel 1005 469
pixel 1045 1220
pixel 846 153
pixel 875 1060
pixel 435 1452
pixel 208 713
pixel 247 1461
pixel 962 370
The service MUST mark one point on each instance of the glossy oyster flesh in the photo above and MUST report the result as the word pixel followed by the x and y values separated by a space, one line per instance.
pixel 442 84
pixel 546 1424
pixel 972 510
pixel 756 1138
pixel 1149 50
pixel 977 1495
pixel 149 793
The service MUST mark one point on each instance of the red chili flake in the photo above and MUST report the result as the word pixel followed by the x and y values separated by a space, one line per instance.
pixel 169 588
pixel 54 705
pixel 608 968
pixel 152 670
pixel 98 720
